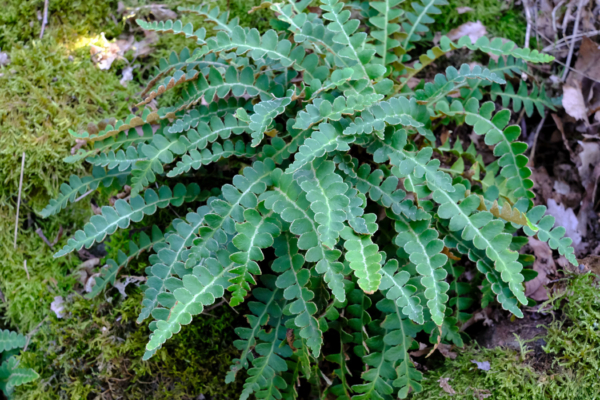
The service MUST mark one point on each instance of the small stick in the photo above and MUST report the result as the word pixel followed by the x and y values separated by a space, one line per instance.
pixel 19 199
pixel 45 18
pixel 528 18
pixel 26 270
pixel 83 195
pixel 535 137
pixel 44 238
pixel 575 29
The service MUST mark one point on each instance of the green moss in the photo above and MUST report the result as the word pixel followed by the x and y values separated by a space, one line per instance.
pixel 573 343
pixel 99 347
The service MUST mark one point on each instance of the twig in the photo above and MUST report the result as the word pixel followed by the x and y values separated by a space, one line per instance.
pixel 561 42
pixel 26 270
pixel 57 238
pixel 576 71
pixel 41 234
pixel 19 200
pixel 535 137
pixel 528 18
pixel 33 332
pixel 45 18
pixel 554 19
pixel 83 195
pixel 577 18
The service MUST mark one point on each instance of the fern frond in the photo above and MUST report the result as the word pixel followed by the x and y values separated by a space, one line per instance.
pixel 344 30
pixel 387 30
pixel 486 233
pixel 196 291
pixel 11 340
pixel 120 140
pixel 195 158
pixel 253 235
pixel 417 20
pixel 221 20
pixel 279 150
pixel 452 81
pixel 358 319
pixel 537 98
pixel 289 201
pixel 263 377
pixel 328 138
pixel 325 191
pixel 12 376
pixel 202 113
pixel 167 261
pixel 323 110
pixel 555 237
pixel 225 212
pixel 397 289
pixel 512 160
pixel 293 279
pixel 385 193
pixel 363 257
pixel 262 310
pixel 120 216
pixel 215 84
pixel 78 186
pixel 174 27
pixel 400 337
pixel 109 273
pixel 505 296
pixel 502 68
pixel 378 372
pixel 421 242
pixel 396 111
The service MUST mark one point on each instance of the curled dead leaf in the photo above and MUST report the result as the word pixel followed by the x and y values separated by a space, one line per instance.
pixel 446 386
pixel 573 102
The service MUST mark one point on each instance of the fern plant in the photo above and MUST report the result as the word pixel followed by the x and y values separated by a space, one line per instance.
pixel 340 172
pixel 11 374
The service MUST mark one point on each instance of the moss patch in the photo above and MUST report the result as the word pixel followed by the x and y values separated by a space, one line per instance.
pixel 573 345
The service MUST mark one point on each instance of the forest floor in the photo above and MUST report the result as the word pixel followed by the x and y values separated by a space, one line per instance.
pixel 50 82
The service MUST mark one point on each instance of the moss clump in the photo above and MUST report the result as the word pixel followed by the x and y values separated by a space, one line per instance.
pixel 97 349
pixel 573 342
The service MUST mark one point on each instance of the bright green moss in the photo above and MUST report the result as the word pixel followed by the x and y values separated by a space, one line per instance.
pixel 573 342
pixel 98 348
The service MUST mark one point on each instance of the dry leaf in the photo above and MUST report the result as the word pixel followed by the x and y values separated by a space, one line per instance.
pixel 423 349
pixel 445 349
pixel 473 30
pixel 4 60
pixel 573 102
pixel 105 56
pixel 590 157
pixel 587 62
pixel 58 306
pixel 462 10
pixel 565 218
pixel 161 12
pixel 543 265
pixel 446 386
pixel 127 76
pixel 482 365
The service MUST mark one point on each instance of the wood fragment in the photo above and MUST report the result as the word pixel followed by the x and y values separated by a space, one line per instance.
pixel 572 48
pixel 26 270
pixel 45 18
pixel 44 238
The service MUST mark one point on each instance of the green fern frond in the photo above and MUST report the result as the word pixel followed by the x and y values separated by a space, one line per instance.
pixel 388 30
pixel 196 291
pixel 397 289
pixel 417 20
pixel 363 257
pixel 379 370
pixel 424 248
pixel 221 20
pixel 109 273
pixel 522 97
pixel 11 340
pixel 12 376
pixel 202 113
pixel 174 27
pixel 546 232
pixel 279 150
pixel 323 110
pixel 293 279
pixel 79 186
pixel 120 216
pixel 197 158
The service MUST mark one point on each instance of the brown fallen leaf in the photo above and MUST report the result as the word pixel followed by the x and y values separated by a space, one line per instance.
pixel 474 30
pixel 573 102
pixel 543 265
pixel 446 386
pixel 445 350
